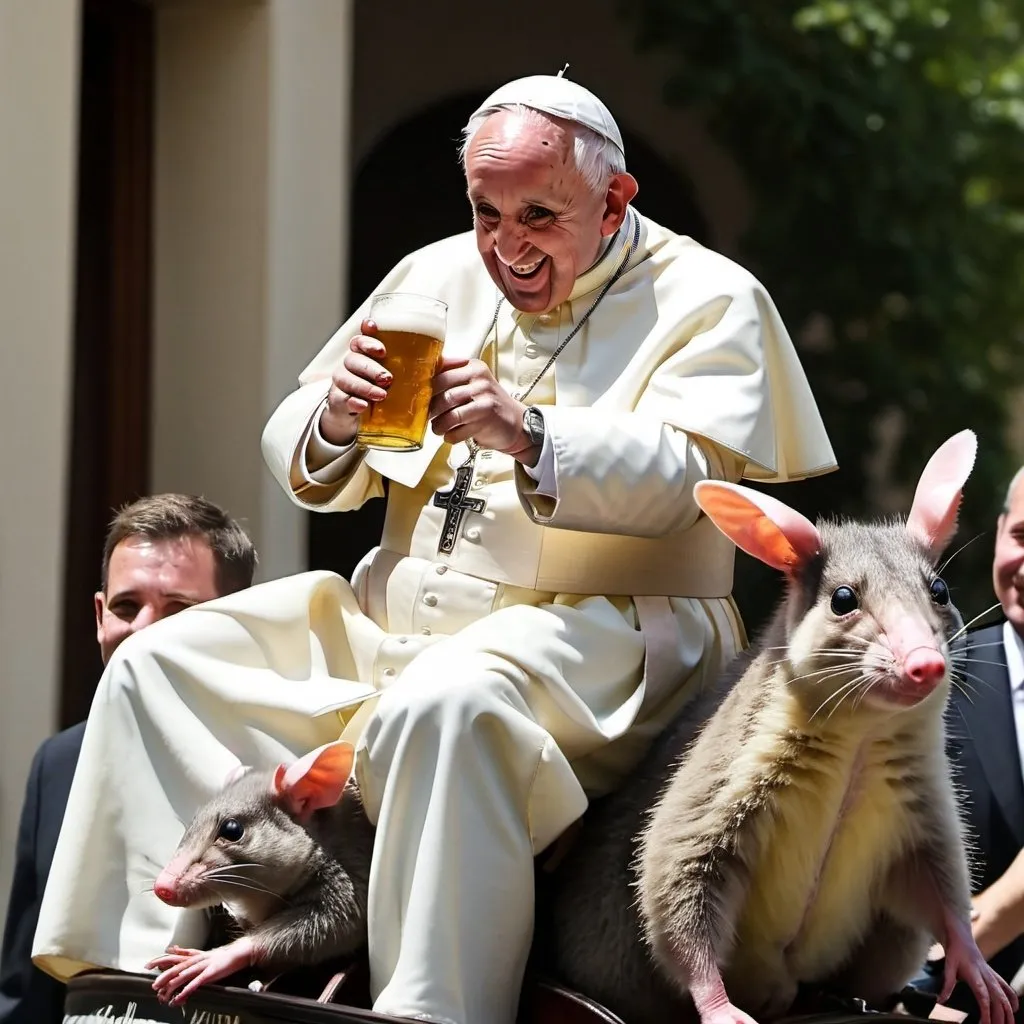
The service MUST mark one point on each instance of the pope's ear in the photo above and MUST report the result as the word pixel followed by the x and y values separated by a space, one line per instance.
pixel 762 526
pixel 622 190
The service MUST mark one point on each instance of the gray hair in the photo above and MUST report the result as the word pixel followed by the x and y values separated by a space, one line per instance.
pixel 597 158
pixel 1017 478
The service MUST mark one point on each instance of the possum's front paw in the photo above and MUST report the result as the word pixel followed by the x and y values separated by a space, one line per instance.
pixel 185 970
pixel 726 1014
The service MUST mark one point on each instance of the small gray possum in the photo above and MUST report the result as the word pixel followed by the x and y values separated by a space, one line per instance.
pixel 797 824
pixel 287 853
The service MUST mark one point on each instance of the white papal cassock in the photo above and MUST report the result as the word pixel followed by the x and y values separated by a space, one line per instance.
pixel 521 673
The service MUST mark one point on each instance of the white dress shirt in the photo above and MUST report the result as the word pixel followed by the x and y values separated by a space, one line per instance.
pixel 1013 647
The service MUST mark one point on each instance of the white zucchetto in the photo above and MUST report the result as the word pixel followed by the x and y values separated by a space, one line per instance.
pixel 559 97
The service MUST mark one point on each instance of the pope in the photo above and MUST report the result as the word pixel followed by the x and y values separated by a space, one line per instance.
pixel 499 661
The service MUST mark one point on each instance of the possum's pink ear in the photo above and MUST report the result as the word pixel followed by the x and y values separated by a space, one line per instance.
pixel 236 773
pixel 932 518
pixel 316 780
pixel 762 526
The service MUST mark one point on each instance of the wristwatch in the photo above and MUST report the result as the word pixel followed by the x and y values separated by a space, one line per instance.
pixel 533 424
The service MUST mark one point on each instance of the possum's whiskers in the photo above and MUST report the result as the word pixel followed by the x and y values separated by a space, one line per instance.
pixel 967 625
pixel 832 653
pixel 229 873
pixel 233 880
pixel 838 694
pixel 958 677
pixel 977 536
pixel 979 661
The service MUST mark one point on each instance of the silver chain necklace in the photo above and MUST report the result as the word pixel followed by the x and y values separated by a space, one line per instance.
pixel 456 501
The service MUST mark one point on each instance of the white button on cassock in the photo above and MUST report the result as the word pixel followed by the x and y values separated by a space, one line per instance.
pixel 473 533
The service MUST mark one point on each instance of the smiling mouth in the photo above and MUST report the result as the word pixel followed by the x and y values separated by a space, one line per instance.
pixel 526 270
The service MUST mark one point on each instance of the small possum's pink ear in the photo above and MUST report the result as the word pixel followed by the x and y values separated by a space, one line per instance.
pixel 316 780
pixel 762 526
pixel 932 518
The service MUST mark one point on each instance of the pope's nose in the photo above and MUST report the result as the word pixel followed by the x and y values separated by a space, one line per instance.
pixel 510 247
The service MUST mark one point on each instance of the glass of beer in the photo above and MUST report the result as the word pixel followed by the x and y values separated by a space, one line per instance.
pixel 412 329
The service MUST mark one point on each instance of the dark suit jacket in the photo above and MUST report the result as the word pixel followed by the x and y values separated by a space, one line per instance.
pixel 983 747
pixel 27 995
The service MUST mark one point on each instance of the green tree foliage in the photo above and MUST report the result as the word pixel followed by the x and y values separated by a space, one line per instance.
pixel 883 142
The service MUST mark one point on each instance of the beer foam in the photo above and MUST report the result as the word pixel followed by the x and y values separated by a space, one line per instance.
pixel 415 314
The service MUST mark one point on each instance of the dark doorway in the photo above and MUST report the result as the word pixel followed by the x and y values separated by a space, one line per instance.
pixel 409 192
pixel 110 413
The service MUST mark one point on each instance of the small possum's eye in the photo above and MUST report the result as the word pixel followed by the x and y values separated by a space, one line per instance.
pixel 939 591
pixel 231 830
pixel 844 601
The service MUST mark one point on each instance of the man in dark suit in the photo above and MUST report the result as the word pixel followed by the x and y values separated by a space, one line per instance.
pixel 986 726
pixel 162 554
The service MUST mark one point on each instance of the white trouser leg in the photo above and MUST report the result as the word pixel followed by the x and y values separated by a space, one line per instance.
pixel 451 892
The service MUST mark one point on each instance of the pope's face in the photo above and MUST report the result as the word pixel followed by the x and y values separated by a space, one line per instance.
pixel 1008 564
pixel 538 225
pixel 147 580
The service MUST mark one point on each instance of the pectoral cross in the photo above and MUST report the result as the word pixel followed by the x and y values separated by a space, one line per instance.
pixel 456 505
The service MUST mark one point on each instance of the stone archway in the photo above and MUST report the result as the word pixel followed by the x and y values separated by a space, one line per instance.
pixel 408 192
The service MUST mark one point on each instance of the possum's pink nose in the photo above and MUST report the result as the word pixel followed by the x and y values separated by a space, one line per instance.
pixel 925 666
pixel 165 888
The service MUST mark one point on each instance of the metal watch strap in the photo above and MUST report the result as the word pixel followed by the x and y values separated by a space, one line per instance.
pixel 533 424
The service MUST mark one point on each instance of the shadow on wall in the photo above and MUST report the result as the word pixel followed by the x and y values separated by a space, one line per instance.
pixel 409 192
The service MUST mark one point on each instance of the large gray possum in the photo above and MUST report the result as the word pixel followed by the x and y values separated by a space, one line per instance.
pixel 797 825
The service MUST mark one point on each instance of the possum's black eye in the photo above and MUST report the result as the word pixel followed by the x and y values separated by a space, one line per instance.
pixel 231 830
pixel 844 601
pixel 939 591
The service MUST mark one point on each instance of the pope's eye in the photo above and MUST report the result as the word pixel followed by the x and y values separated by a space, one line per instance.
pixel 939 591
pixel 538 215
pixel 231 830
pixel 844 601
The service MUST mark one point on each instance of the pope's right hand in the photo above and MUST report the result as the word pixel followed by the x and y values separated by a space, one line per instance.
pixel 360 380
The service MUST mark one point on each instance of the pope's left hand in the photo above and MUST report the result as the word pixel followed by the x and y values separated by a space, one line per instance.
pixel 469 403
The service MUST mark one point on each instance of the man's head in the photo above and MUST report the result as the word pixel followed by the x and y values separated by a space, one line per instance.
pixel 163 554
pixel 1008 564
pixel 546 188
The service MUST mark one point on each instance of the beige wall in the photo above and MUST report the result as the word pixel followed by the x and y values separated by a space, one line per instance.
pixel 38 126
pixel 466 45
pixel 251 110
pixel 250 188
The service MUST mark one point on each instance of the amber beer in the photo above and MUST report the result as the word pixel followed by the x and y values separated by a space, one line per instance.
pixel 412 329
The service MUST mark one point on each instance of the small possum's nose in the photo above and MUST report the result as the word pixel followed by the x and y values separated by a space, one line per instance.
pixel 165 889
pixel 925 666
